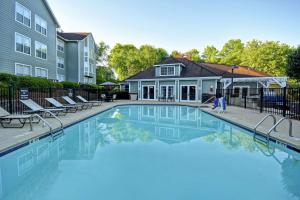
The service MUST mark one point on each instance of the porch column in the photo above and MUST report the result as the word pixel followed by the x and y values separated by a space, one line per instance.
pixel 156 90
pixel 177 90
pixel 139 90
pixel 199 92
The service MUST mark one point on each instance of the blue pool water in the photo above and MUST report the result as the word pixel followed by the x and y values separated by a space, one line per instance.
pixel 151 153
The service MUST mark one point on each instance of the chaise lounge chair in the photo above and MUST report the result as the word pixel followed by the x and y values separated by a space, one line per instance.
pixel 83 106
pixel 57 104
pixel 94 103
pixel 6 119
pixel 36 108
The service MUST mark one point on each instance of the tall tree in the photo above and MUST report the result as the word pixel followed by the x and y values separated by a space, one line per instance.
pixel 193 55
pixel 102 53
pixel 127 60
pixel 231 52
pixel 104 74
pixel 269 57
pixel 211 54
pixel 293 64
pixel 176 54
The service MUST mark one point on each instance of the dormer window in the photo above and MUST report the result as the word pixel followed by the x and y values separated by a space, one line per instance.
pixel 167 71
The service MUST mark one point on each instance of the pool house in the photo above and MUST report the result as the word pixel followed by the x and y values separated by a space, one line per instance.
pixel 182 80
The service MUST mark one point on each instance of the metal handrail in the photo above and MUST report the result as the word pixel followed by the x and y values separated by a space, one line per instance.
pixel 208 100
pixel 45 122
pixel 279 122
pixel 263 119
pixel 55 117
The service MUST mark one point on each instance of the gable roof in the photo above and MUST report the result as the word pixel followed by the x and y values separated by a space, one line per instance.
pixel 193 69
pixel 73 36
pixel 51 12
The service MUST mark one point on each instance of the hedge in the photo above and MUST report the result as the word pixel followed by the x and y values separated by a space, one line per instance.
pixel 35 82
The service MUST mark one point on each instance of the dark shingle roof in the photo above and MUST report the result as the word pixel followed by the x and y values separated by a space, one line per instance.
pixel 193 69
pixel 73 36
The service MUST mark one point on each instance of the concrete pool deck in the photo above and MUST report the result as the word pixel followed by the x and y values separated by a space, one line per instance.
pixel 12 137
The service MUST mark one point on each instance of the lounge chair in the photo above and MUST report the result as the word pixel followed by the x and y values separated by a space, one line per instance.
pixel 6 119
pixel 57 104
pixel 94 103
pixel 83 106
pixel 36 108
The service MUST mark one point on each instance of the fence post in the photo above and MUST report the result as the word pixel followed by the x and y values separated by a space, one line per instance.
pixel 50 92
pixel 261 99
pixel 284 102
pixel 10 98
pixel 88 94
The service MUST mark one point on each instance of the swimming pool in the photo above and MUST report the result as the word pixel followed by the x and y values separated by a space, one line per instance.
pixel 150 153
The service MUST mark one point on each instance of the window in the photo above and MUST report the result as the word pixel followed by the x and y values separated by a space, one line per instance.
pixel 86 56
pixel 22 70
pixel 60 46
pixel 60 62
pixel 23 15
pixel 60 77
pixel 40 25
pixel 167 71
pixel 41 72
pixel 23 44
pixel 40 50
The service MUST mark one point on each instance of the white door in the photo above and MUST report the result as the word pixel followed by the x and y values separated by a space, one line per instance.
pixel 188 93
pixel 167 91
pixel 148 92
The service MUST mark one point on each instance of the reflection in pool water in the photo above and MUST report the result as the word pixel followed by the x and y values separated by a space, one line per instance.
pixel 151 152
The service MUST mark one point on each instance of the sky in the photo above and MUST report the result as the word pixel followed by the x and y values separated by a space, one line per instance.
pixel 181 24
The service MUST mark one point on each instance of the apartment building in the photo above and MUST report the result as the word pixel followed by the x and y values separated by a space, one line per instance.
pixel 31 45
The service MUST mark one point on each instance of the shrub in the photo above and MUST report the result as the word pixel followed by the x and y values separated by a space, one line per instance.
pixel 68 84
pixel 9 79
pixel 33 82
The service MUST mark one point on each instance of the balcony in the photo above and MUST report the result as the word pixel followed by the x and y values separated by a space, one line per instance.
pixel 89 74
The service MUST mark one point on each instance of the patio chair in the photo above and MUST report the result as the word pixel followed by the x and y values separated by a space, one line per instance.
pixel 83 106
pixel 36 108
pixel 94 103
pixel 57 104
pixel 6 119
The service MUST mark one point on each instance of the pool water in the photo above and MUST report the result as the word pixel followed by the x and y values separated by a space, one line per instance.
pixel 151 153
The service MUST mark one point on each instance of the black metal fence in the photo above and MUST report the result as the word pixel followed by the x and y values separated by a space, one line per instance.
pixel 280 101
pixel 10 96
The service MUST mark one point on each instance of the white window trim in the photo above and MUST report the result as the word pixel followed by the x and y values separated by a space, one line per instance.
pixel 16 33
pixel 36 49
pixel 16 15
pixel 23 65
pixel 167 70
pixel 188 85
pixel 35 25
pixel 167 90
pixel 58 57
pixel 59 42
pixel 148 90
pixel 241 89
pixel 42 69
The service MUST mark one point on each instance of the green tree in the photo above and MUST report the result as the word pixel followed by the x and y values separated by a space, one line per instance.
pixel 103 50
pixel 149 55
pixel 176 54
pixel 211 54
pixel 269 57
pixel 104 74
pixel 231 52
pixel 293 64
pixel 194 55
pixel 127 60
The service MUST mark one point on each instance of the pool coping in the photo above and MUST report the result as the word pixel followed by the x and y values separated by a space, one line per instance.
pixel 19 145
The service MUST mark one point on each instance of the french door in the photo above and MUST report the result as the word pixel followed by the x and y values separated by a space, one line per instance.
pixel 167 91
pixel 148 92
pixel 188 93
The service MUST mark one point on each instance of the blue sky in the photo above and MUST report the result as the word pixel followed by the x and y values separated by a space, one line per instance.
pixel 181 25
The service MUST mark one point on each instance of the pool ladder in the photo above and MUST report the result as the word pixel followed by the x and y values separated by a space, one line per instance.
pixel 275 125
pixel 46 123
